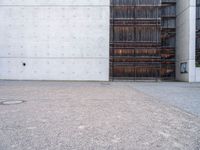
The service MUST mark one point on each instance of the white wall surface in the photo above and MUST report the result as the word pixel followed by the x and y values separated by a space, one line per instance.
pixel 58 40
pixel 185 40
pixel 197 74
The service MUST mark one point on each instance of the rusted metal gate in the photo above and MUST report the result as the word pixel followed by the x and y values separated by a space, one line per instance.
pixel 141 41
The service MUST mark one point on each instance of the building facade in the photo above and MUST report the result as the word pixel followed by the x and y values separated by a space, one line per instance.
pixel 143 39
pixel 100 40
pixel 54 40
pixel 187 68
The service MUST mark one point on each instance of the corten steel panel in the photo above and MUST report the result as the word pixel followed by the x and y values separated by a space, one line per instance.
pixel 142 42
pixel 62 42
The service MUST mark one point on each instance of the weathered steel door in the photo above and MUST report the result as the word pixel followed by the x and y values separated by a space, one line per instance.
pixel 136 41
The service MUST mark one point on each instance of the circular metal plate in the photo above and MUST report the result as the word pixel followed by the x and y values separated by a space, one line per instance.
pixel 11 102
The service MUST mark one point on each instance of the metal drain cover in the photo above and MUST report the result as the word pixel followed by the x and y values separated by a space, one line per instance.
pixel 11 102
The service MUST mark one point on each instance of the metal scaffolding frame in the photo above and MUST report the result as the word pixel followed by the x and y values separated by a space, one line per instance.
pixel 168 38
pixel 198 33
pixel 141 44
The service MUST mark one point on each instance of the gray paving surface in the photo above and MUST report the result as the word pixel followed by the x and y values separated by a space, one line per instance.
pixel 66 115
pixel 185 96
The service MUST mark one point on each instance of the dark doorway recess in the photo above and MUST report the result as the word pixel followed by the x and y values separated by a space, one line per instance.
pixel 142 40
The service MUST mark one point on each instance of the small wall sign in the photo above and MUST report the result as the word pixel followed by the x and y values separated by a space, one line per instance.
pixel 183 67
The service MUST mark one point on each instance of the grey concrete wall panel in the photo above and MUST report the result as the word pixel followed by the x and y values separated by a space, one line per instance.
pixel 56 2
pixel 197 74
pixel 58 40
pixel 185 40
pixel 54 69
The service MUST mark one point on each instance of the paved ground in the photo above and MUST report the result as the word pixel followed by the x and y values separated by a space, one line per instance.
pixel 183 95
pixel 132 116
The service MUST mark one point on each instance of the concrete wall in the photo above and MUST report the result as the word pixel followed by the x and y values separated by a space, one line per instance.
pixel 197 74
pixel 54 40
pixel 185 40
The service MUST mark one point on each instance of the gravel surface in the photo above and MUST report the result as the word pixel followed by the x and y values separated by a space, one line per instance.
pixel 92 116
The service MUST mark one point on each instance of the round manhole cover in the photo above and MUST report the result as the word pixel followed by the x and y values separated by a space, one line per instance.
pixel 11 102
